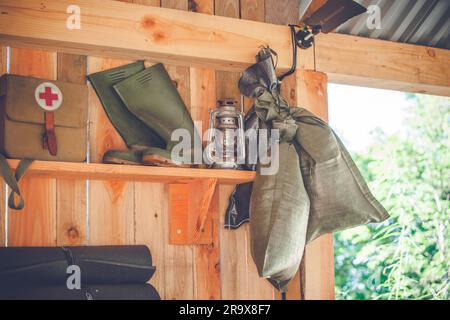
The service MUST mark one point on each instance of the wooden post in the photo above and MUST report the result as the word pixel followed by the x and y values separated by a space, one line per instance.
pixel 258 288
pixel 318 257
pixel 71 194
pixel 276 15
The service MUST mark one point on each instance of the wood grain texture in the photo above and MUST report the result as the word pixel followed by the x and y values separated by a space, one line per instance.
pixel 3 67
pixel 203 95
pixel 179 273
pixel 253 10
pixel 319 269
pixel 71 211
pixel 175 4
pixel 233 254
pixel 179 219
pixel 318 256
pixel 227 81
pixel 383 64
pixel 100 171
pixel 155 33
pixel 190 219
pixel 227 8
pixel 111 202
pixel 151 33
pixel 35 225
pixel 71 194
pixel 155 3
pixel 207 277
pixel 282 11
pixel 208 191
pixel 151 223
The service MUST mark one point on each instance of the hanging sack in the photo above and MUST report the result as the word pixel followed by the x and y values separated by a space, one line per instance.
pixel 40 120
pixel 340 198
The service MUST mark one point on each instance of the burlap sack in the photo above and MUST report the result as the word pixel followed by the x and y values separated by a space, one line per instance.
pixel 339 196
pixel 279 209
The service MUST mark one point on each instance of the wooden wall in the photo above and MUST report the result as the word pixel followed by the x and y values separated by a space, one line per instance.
pixel 61 212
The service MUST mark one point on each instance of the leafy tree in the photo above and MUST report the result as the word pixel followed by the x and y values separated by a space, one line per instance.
pixel 407 256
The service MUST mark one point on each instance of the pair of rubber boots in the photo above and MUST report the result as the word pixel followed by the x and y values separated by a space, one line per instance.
pixel 145 108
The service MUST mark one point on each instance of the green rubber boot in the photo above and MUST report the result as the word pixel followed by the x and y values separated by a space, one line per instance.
pixel 134 132
pixel 130 157
pixel 154 99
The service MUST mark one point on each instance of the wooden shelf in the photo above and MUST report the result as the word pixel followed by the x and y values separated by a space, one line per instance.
pixel 99 171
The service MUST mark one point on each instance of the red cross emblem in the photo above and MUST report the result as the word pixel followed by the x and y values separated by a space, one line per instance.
pixel 48 96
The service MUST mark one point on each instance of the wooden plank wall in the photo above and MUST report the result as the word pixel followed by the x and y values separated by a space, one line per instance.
pixel 35 225
pixel 3 69
pixel 61 212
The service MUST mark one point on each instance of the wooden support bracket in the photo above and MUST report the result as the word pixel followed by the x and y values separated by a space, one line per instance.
pixel 189 219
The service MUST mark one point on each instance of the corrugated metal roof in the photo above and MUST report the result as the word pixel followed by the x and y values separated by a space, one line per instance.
pixel 424 22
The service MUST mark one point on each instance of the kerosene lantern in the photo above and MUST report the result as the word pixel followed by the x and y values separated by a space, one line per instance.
pixel 226 136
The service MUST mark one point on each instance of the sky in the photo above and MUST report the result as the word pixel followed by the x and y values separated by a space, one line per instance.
pixel 354 112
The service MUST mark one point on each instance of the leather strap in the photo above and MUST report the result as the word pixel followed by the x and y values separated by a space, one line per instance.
pixel 12 180
pixel 49 135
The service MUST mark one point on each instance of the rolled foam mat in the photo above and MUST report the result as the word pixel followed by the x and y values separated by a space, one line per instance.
pixel 94 292
pixel 98 265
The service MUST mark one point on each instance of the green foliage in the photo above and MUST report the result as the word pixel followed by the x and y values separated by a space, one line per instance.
pixel 408 256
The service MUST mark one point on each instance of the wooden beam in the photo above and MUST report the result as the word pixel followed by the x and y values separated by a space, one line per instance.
pixel 383 64
pixel 130 31
pixel 318 259
pixel 195 39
